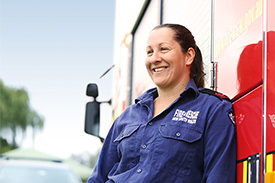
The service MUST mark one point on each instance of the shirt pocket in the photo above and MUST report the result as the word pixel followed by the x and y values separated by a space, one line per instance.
pixel 175 149
pixel 127 147
pixel 126 132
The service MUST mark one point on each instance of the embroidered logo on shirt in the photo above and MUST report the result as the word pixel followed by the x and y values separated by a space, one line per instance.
pixel 186 116
pixel 232 117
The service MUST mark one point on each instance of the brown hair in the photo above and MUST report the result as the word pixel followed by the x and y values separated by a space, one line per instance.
pixel 186 40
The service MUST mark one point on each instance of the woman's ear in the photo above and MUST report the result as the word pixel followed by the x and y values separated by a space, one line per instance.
pixel 190 55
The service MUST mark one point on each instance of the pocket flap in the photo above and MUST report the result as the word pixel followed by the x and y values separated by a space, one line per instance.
pixel 177 132
pixel 127 132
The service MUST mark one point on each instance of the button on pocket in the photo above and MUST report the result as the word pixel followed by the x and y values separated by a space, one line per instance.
pixel 180 133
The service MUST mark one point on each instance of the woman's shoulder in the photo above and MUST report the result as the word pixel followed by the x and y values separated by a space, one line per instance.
pixel 216 94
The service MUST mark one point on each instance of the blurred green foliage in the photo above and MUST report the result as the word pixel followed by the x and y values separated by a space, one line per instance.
pixel 15 114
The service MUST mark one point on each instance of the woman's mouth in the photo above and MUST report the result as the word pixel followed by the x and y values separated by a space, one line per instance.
pixel 159 69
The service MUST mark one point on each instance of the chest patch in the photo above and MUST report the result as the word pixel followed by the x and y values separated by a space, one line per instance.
pixel 186 116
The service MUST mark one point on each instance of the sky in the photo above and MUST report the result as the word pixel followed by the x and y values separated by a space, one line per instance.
pixel 53 49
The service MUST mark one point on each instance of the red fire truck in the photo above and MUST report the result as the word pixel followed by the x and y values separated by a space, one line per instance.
pixel 237 39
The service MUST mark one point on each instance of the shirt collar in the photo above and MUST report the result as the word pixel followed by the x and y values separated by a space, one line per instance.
pixel 149 94
pixel 191 89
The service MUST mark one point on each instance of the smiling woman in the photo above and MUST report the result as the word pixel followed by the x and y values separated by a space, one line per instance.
pixel 175 132
pixel 166 65
pixel 169 63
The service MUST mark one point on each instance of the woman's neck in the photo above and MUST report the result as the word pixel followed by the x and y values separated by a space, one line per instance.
pixel 171 92
pixel 166 97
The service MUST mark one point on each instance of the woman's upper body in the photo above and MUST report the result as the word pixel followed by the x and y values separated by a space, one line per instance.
pixel 174 132
pixel 191 141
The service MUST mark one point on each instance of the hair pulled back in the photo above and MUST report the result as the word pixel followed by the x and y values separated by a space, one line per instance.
pixel 186 40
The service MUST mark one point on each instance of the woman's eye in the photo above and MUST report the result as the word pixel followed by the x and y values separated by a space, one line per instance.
pixel 163 49
pixel 149 52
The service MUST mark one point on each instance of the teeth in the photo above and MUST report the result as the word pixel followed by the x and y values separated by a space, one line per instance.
pixel 159 69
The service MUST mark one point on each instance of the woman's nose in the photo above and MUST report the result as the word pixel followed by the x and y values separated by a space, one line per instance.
pixel 155 58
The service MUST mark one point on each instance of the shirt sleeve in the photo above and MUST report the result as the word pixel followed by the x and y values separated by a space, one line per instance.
pixel 107 159
pixel 220 145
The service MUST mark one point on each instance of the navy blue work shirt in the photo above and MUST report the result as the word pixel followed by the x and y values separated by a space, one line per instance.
pixel 192 141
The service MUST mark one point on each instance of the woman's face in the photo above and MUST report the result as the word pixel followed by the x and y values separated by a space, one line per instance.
pixel 166 64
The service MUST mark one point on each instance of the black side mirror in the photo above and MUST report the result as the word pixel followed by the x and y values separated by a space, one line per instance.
pixel 92 114
pixel 92 118
pixel 92 90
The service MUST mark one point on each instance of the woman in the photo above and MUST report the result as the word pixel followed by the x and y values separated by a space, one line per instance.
pixel 174 133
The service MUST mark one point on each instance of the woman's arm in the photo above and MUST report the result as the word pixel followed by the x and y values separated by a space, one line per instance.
pixel 107 159
pixel 220 146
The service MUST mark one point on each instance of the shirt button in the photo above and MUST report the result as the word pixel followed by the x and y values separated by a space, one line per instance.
pixel 139 171
pixel 143 146
pixel 178 134
pixel 150 123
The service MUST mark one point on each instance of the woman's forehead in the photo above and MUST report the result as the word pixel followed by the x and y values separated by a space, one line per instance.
pixel 161 35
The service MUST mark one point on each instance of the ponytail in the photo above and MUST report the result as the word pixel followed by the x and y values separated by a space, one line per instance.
pixel 196 71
